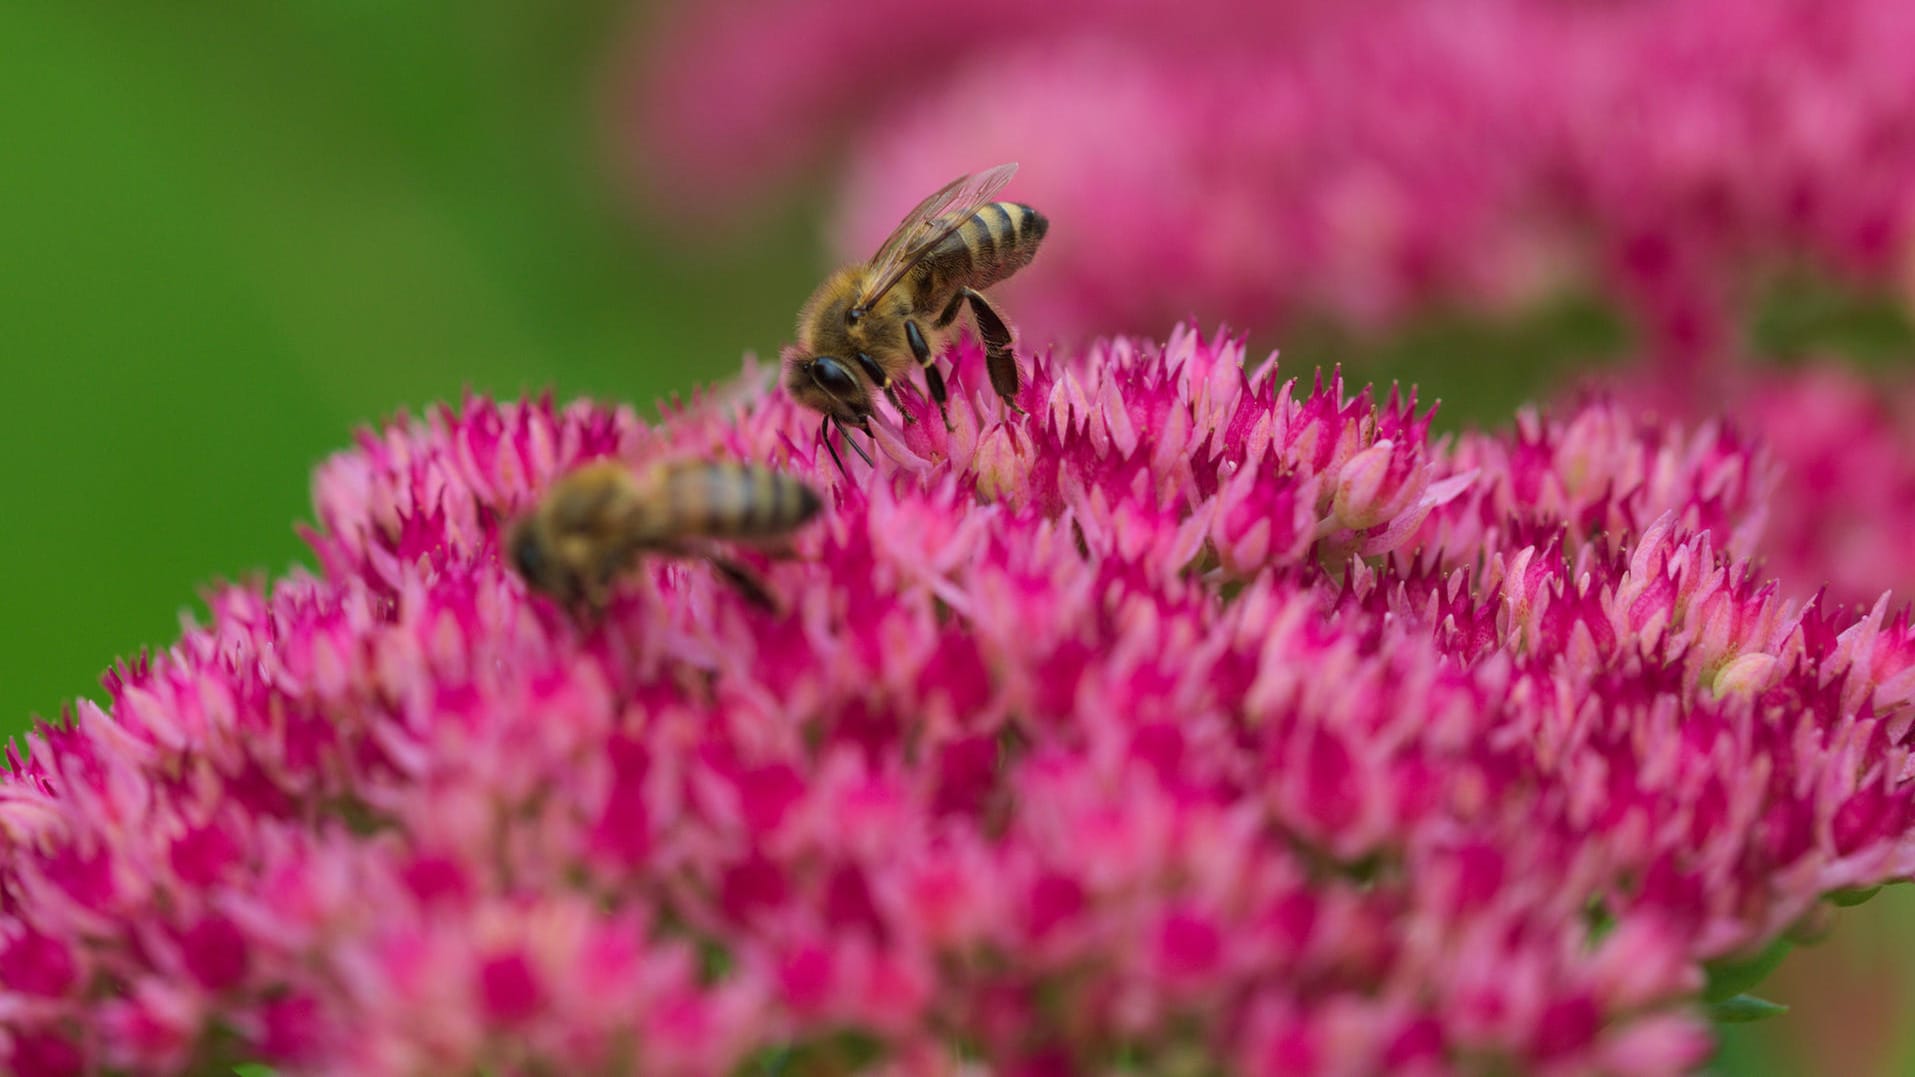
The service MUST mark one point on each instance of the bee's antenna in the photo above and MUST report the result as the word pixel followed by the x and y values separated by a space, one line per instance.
pixel 851 441
pixel 824 435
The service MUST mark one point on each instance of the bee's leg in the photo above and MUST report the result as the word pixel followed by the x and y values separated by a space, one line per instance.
pixel 589 603
pixel 933 377
pixel 745 581
pixel 585 614
pixel 738 576
pixel 998 358
pixel 883 381
pixel 897 402
pixel 594 597
pixel 934 380
pixel 950 312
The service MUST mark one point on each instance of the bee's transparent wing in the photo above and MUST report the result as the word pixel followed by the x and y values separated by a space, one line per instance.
pixel 926 226
pixel 913 222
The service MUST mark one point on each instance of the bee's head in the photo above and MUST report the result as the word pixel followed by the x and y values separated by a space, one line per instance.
pixel 827 384
pixel 522 547
pixel 538 566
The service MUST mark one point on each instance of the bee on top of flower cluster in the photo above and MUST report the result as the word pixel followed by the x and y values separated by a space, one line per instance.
pixel 592 524
pixel 870 322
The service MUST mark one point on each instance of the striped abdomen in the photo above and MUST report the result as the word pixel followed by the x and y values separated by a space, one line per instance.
pixel 726 500
pixel 999 239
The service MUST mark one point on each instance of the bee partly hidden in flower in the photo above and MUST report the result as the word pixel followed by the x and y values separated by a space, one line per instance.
pixel 594 521
pixel 868 323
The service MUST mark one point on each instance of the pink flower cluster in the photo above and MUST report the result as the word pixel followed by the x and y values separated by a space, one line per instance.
pixel 1259 162
pixel 1194 720
pixel 1843 511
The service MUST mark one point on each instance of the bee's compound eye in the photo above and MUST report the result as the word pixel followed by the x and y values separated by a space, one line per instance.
pixel 831 376
pixel 527 557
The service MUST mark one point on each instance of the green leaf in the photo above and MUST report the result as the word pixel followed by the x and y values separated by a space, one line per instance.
pixel 714 961
pixel 1728 979
pixel 1852 897
pixel 1598 920
pixel 1745 1008
pixel 846 1050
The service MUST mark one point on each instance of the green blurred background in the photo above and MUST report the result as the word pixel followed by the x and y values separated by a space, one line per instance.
pixel 233 233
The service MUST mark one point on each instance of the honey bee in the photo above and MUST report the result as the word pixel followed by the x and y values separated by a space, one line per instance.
pixel 868 323
pixel 594 522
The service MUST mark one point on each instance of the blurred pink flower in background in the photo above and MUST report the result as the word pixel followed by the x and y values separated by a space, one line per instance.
pixel 1354 174
pixel 743 94
pixel 1361 161
pixel 1838 512
pixel 1843 512
pixel 1197 718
